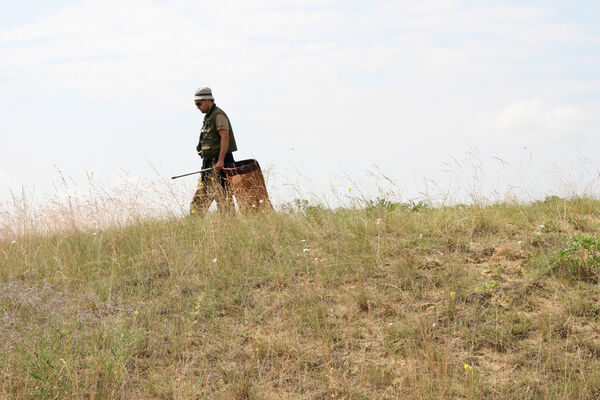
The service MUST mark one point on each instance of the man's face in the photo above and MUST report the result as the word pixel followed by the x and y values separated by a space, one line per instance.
pixel 203 105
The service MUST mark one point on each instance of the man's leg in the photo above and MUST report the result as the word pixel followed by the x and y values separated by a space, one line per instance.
pixel 205 193
pixel 202 199
pixel 224 196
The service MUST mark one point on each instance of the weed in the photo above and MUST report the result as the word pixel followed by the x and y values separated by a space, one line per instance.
pixel 416 206
pixel 580 259
pixel 381 205
pixel 486 286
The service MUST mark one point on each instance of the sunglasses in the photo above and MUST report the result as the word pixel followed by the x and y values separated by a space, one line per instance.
pixel 199 102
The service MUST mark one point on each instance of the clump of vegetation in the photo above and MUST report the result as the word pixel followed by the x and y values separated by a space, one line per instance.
pixel 580 259
pixel 390 300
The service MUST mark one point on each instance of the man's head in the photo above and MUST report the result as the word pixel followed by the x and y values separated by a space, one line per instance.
pixel 204 99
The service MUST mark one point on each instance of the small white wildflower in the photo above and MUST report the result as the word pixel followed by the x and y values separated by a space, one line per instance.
pixel 434 325
pixel 542 226
pixel 421 236
pixel 378 221
pixel 13 242
pixel 305 250
pixel 214 260
pixel 253 205
pixel 390 324
pixel 303 240
pixel 94 233
pixel 538 233
pixel 261 201
pixel 519 242
pixel 316 258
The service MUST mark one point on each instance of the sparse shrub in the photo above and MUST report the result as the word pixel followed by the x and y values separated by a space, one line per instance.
pixel 381 205
pixel 297 205
pixel 486 286
pixel 302 206
pixel 416 206
pixel 580 259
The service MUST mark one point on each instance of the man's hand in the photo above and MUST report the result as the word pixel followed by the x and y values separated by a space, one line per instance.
pixel 219 165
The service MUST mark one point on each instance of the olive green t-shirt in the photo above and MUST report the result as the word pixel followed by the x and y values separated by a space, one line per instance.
pixel 222 123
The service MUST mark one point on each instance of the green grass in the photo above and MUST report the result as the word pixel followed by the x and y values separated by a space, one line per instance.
pixel 386 301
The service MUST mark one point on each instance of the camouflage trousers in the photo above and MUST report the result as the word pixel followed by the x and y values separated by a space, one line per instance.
pixel 212 186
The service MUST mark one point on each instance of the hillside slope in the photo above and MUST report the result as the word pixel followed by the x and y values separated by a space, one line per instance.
pixel 389 301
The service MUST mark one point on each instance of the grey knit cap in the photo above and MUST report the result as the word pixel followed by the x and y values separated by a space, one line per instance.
pixel 203 94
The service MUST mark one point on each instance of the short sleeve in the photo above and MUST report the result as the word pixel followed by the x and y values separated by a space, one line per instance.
pixel 222 122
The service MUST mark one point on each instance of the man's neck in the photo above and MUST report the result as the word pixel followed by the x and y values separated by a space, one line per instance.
pixel 211 109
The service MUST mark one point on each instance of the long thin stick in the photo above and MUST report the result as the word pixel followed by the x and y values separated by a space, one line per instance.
pixel 191 173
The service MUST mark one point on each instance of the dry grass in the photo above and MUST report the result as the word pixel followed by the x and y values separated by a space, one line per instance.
pixel 381 302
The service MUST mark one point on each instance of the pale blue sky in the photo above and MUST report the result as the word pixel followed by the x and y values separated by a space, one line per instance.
pixel 320 88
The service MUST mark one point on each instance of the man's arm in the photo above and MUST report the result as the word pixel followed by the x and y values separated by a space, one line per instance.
pixel 224 147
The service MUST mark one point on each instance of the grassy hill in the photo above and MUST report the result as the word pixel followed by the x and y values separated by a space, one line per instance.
pixel 388 301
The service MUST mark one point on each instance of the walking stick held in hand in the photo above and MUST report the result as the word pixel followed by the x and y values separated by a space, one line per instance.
pixel 192 173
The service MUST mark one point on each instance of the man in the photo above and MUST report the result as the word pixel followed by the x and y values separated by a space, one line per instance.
pixel 215 146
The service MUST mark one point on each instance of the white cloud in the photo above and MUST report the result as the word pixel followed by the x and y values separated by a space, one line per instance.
pixel 537 120
pixel 130 49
